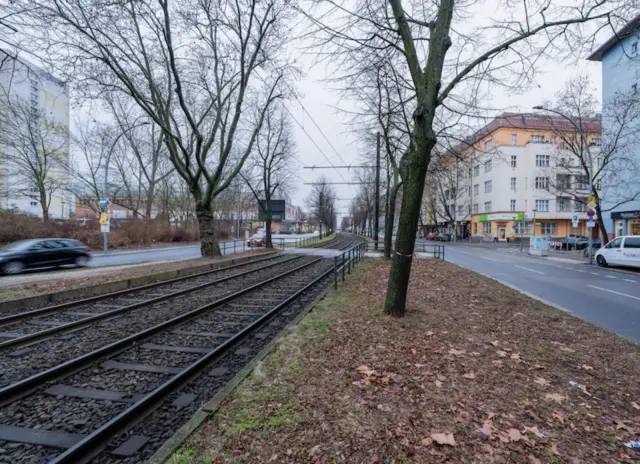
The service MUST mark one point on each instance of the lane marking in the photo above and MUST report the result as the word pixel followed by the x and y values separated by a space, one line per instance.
pixel 570 268
pixel 612 291
pixel 594 273
pixel 611 277
pixel 530 270
pixel 581 270
pixel 629 280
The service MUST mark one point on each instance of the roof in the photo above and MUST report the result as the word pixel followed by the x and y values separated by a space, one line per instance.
pixel 626 31
pixel 531 121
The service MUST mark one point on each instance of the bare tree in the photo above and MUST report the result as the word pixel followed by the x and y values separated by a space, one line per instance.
pixel 321 202
pixel 36 149
pixel 193 67
pixel 570 168
pixel 450 63
pixel 270 171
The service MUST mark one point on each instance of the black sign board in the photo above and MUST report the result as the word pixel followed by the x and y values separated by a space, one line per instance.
pixel 277 209
pixel 626 215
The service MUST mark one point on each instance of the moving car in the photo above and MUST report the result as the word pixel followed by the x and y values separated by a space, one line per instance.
pixel 256 240
pixel 443 237
pixel 431 236
pixel 574 242
pixel 39 253
pixel 621 251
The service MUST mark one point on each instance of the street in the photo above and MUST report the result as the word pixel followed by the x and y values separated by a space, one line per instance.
pixel 605 297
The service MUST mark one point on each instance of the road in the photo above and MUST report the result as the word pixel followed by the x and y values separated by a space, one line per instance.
pixel 605 297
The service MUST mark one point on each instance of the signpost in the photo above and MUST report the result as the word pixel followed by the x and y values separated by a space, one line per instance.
pixel 105 221
pixel 574 221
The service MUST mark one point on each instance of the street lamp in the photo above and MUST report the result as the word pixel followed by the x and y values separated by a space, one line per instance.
pixel 105 189
pixel 586 144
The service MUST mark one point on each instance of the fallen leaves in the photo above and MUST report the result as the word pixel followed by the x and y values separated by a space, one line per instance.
pixel 514 435
pixel 365 370
pixel 515 356
pixel 635 405
pixel 469 376
pixel 566 349
pixel 534 430
pixel 557 397
pixel 542 381
pixel 586 367
pixel 443 439
pixel 558 415
pixel 371 376
pixel 455 352
pixel 502 354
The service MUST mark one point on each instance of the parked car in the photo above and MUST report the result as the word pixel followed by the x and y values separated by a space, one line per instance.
pixel 431 236
pixel 574 242
pixel 440 237
pixel 621 251
pixel 256 240
pixel 40 253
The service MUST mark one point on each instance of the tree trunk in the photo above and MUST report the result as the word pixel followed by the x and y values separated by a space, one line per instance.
pixel 603 229
pixel 45 207
pixel 388 222
pixel 267 222
pixel 208 244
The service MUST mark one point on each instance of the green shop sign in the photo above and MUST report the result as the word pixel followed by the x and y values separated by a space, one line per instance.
pixel 501 217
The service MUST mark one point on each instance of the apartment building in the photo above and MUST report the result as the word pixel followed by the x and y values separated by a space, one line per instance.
pixel 620 58
pixel 519 167
pixel 43 99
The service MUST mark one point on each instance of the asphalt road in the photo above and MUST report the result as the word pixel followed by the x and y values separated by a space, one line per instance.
pixel 605 297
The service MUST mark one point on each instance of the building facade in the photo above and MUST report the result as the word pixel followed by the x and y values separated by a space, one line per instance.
pixel 518 168
pixel 620 57
pixel 28 90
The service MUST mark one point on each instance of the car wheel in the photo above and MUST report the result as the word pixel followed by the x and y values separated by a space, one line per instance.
pixel 601 261
pixel 13 267
pixel 81 261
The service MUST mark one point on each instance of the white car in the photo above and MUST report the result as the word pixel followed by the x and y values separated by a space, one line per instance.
pixel 621 251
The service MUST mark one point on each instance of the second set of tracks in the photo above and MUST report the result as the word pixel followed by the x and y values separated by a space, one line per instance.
pixel 78 378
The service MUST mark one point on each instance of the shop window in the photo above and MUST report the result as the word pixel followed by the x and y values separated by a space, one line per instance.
pixel 486 228
pixel 549 228
pixel 475 228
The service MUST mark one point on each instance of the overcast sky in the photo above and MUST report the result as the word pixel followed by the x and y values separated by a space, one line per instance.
pixel 320 102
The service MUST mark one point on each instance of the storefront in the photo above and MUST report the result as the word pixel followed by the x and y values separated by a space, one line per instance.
pixel 626 222
pixel 497 226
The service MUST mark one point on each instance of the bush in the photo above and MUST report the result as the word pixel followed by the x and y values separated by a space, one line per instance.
pixel 131 233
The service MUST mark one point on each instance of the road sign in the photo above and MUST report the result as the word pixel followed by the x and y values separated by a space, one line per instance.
pixel 104 228
pixel 104 218
pixel 574 220
pixel 592 204
pixel 591 213
pixel 590 223
pixel 592 198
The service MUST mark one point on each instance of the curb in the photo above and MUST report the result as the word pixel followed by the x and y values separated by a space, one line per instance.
pixel 211 406
pixel 122 284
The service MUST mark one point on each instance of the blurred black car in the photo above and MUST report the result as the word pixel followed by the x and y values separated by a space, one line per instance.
pixel 38 253
pixel 441 237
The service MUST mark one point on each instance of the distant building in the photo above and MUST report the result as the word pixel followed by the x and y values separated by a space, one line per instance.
pixel 620 57
pixel 514 165
pixel 47 100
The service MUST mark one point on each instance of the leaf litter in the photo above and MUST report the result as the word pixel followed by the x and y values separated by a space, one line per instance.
pixel 366 397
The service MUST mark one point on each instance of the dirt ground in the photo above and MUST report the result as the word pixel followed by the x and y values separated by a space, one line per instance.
pixel 55 281
pixel 475 372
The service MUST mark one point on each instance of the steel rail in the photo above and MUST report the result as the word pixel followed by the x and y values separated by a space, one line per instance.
pixel 94 443
pixel 22 387
pixel 72 304
pixel 46 333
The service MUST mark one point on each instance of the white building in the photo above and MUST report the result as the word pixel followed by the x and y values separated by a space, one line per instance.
pixel 620 57
pixel 42 99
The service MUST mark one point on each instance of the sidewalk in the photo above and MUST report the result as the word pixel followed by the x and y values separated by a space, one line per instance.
pixel 475 372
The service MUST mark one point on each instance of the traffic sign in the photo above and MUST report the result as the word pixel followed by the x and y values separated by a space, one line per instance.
pixel 574 220
pixel 104 228
pixel 591 213
pixel 590 223
pixel 592 198
pixel 592 204
pixel 104 218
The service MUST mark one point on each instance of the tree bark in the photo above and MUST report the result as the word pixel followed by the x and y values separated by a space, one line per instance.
pixel 388 222
pixel 603 229
pixel 45 207
pixel 267 222
pixel 209 246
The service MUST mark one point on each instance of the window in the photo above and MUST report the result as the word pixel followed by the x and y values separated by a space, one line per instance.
pixel 554 139
pixel 580 205
pixel 563 182
pixel 446 194
pixel 460 209
pixel 475 208
pixel 476 171
pixel 476 189
pixel 514 162
pixel 632 242
pixel 596 141
pixel 514 139
pixel 33 203
pixel 582 182
pixel 519 228
pixel 487 186
pixel 486 228
pixel 537 139
pixel 487 206
pixel 542 161
pixel 549 228
pixel 487 145
pixel 512 206
pixel 542 205
pixel 563 205
pixel 615 243
pixel 469 191
pixel 513 184
pixel 598 184
pixel 487 166
pixel 542 183
pixel 475 228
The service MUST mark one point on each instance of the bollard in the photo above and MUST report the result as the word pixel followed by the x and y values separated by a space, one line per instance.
pixel 234 247
pixel 349 261
pixel 343 266
pixel 335 272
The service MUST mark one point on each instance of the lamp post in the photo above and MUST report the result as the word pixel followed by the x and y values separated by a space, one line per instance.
pixel 105 188
pixel 535 210
pixel 586 144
